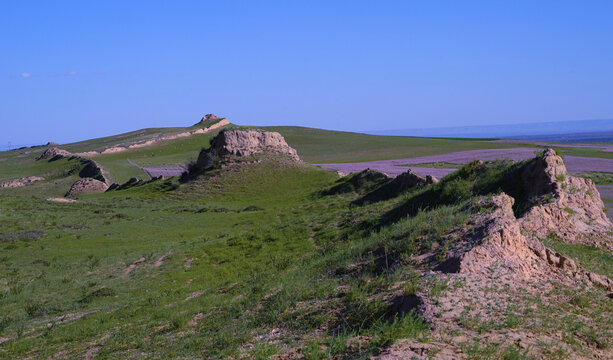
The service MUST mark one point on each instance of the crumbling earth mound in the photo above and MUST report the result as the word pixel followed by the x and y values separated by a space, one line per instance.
pixel 54 153
pixel 363 182
pixel 20 182
pixel 236 145
pixel 567 206
pixel 498 266
pixel 92 169
pixel 208 118
pixel 87 186
pixel 399 184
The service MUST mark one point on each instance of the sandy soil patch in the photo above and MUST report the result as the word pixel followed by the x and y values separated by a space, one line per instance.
pixel 61 200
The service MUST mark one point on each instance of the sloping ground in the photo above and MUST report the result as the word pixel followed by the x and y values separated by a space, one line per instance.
pixel 498 266
pixel 274 258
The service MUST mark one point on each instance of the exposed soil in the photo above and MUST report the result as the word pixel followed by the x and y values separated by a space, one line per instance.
pixel 61 200
pixel 133 266
pixel 497 264
pixel 20 182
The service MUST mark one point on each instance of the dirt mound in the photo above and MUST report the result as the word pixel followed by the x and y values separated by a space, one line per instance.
pixel 493 236
pixel 54 154
pixel 87 186
pixel 362 182
pixel 208 118
pixel 567 206
pixel 233 145
pixel 92 169
pixel 128 184
pixel 497 264
pixel 402 182
pixel 20 182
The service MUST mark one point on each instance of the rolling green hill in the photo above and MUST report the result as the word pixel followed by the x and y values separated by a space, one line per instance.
pixel 253 260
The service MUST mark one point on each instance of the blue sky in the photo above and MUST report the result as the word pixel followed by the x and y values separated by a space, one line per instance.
pixel 74 70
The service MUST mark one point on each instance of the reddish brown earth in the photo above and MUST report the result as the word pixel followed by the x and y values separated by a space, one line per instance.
pixel 394 167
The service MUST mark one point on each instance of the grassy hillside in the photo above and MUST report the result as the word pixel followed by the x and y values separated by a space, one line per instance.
pixel 325 146
pixel 313 146
pixel 245 262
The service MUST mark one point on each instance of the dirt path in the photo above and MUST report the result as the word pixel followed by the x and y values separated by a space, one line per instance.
pixel 394 167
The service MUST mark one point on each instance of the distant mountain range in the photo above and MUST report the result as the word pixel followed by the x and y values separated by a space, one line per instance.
pixel 563 131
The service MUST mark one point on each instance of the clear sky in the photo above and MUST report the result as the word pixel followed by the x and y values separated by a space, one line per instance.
pixel 73 70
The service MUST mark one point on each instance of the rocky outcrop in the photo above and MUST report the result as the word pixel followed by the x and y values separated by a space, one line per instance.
pixel 128 184
pixel 209 118
pixel 492 237
pixel 87 186
pixel 363 182
pixel 400 183
pixel 92 169
pixel 20 182
pixel 233 145
pixel 54 154
pixel 569 207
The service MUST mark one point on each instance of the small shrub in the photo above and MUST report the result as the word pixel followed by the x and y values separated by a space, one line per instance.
pixel 103 292
pixel 580 301
pixel 33 308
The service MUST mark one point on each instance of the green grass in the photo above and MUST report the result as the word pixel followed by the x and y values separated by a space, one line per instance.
pixel 598 177
pixel 324 146
pixel 248 261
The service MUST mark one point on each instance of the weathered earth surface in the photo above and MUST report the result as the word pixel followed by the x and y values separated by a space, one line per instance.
pixel 572 207
pixel 497 261
pixel 400 183
pixel 235 144
pixel 394 167
pixel 87 186
pixel 20 182
pixel 144 143
pixel 61 200
pixel 92 169
pixel 363 182
pixel 208 118
pixel 54 153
